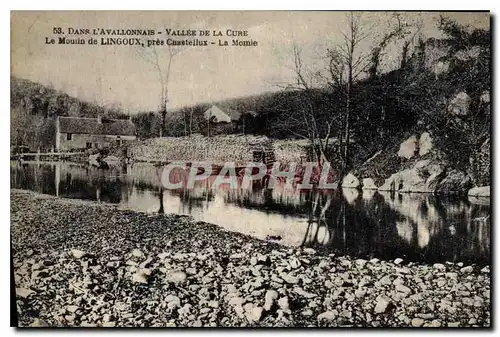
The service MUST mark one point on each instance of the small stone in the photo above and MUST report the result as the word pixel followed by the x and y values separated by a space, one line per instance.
pixel 283 303
pixel 294 263
pixel 435 324
pixel 309 251
pixel 23 292
pixel 453 324
pixel 382 304
pixel 386 280
pixel 236 301
pixel 485 270
pixel 173 302
pixel 361 262
pixel 327 316
pixel 176 277
pixel 466 270
pixel 39 323
pixel 359 293
pixel 307 313
pixel 140 277
pixel 253 260
pixel 374 260
pixel 254 314
pixel 288 278
pixel 403 289
pixel 270 298
pixel 137 253
pixel 70 318
pixel 439 266
pixel 398 261
pixel 417 322
pixel 109 324
pixel 72 308
pixel 77 254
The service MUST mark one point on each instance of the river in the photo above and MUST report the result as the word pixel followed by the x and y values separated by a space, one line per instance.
pixel 416 227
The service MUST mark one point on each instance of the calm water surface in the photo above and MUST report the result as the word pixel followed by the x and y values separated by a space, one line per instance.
pixel 416 227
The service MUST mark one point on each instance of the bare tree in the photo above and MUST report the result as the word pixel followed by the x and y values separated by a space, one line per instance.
pixel 162 68
pixel 347 62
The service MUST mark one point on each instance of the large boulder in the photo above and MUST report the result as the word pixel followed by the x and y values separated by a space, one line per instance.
pixel 425 144
pixel 424 176
pixel 459 104
pixel 350 181
pixel 483 191
pixel 455 182
pixel 408 148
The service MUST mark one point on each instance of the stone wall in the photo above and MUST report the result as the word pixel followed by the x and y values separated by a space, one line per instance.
pixel 238 148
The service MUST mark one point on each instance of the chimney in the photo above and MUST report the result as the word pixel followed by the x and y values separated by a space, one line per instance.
pixel 99 119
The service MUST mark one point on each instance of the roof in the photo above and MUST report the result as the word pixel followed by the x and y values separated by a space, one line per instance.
pixel 226 115
pixel 118 127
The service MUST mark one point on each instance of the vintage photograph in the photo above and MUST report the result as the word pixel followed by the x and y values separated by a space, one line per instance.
pixel 215 169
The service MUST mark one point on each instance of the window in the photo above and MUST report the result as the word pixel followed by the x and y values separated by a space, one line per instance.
pixel 68 136
pixel 89 145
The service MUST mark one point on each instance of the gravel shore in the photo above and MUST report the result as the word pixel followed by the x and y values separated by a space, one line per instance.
pixel 80 263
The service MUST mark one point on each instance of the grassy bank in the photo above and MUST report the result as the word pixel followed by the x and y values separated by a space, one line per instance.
pixel 81 263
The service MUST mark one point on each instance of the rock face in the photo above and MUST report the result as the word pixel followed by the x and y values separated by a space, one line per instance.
pixel 408 148
pixel 350 181
pixel 483 191
pixel 459 105
pixel 424 176
pixel 425 144
pixel 455 182
pixel 369 184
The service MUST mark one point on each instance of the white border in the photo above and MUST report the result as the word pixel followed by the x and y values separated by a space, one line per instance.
pixel 195 5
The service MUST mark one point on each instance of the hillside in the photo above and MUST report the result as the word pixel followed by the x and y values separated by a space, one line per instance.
pixel 35 106
pixel 439 98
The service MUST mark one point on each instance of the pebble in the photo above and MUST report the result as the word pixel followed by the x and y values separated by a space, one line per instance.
pixel 24 292
pixel 77 254
pixel 327 316
pixel 283 303
pixel 439 266
pixel 398 261
pixel 382 304
pixel 403 289
pixel 253 314
pixel 140 277
pixel 270 298
pixel 417 322
pixel 176 277
pixel 467 270
pixel 137 253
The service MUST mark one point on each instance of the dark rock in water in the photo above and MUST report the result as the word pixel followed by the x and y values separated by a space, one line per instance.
pixel 455 182
pixel 273 237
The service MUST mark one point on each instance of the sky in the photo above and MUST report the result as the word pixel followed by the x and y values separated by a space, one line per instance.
pixel 121 76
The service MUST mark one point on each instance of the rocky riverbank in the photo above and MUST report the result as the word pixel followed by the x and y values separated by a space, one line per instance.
pixel 81 263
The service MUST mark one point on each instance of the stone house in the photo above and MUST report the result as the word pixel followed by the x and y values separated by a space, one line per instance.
pixel 222 121
pixel 77 133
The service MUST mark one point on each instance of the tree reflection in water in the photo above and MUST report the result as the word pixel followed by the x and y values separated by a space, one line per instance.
pixel 418 227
